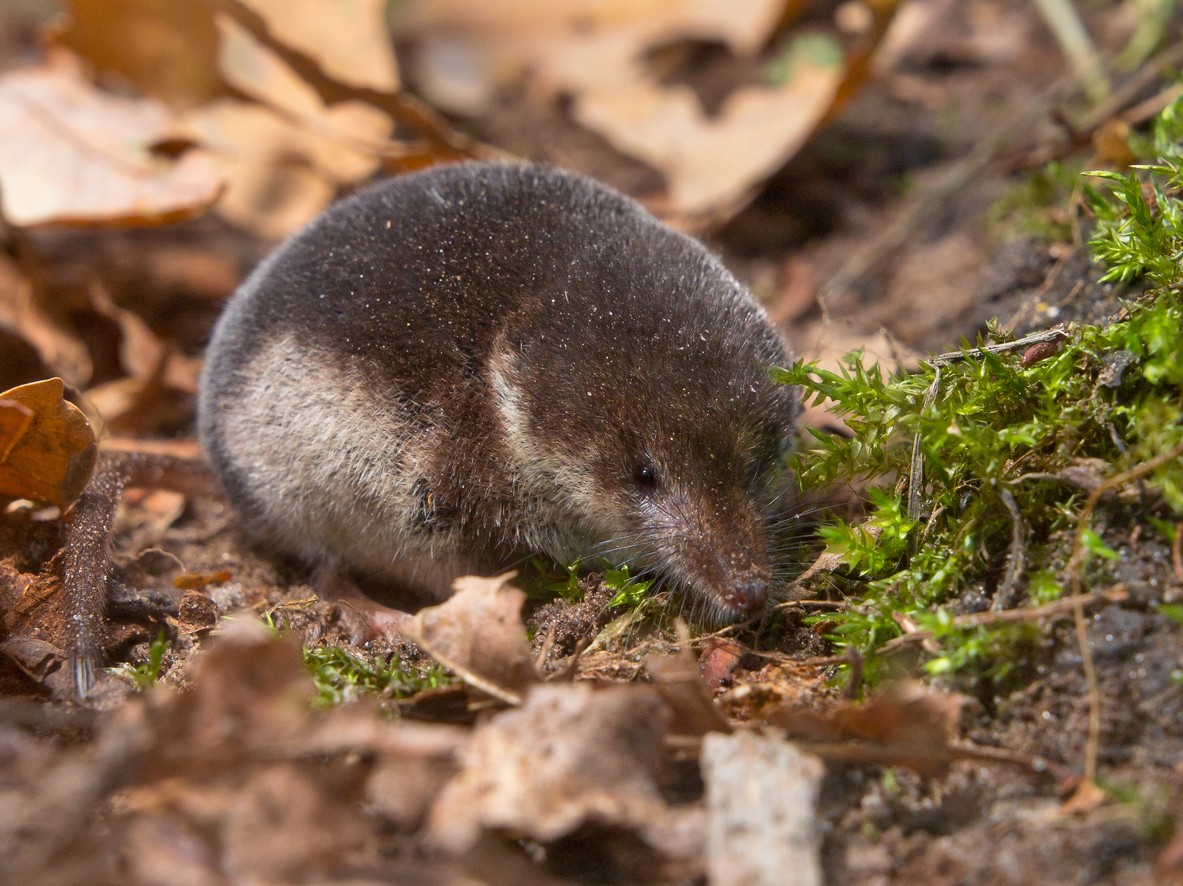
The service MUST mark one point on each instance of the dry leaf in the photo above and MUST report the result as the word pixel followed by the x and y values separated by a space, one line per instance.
pixel 282 158
pixel 192 581
pixel 906 724
pixel 76 156
pixel 165 48
pixel 347 37
pixel 598 54
pixel 1087 797
pixel 679 682
pixel 196 612
pixel 62 353
pixel 571 756
pixel 719 661
pixel 274 185
pixel 710 161
pixel 50 457
pixel 479 634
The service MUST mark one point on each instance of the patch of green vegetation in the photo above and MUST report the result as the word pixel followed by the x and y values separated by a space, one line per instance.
pixel 1009 451
pixel 544 581
pixel 146 674
pixel 341 675
pixel 627 592
pixel 1140 217
pixel 567 588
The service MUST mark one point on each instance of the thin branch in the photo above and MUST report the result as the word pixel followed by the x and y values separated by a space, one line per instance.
pixel 1073 571
pixel 1055 609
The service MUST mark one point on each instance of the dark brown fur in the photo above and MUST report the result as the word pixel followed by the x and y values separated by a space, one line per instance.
pixel 455 369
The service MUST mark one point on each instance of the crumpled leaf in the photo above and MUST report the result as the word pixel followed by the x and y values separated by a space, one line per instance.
pixel 906 724
pixel 478 633
pixel 679 682
pixel 47 447
pixel 572 757
pixel 709 161
pixel 283 152
pixel 57 122
pixel 346 37
pixel 164 48
pixel 599 55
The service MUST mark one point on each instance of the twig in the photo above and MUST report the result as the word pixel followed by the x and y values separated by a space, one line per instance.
pixel 1016 557
pixel 1033 762
pixel 1055 609
pixel 1073 569
pixel 1167 60
pixel 1076 44
pixel 916 467
pixel 1177 552
pixel 1056 333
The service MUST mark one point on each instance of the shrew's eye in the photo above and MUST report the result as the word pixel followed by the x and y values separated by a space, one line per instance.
pixel 646 477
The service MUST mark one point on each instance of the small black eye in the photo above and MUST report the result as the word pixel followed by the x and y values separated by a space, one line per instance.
pixel 646 477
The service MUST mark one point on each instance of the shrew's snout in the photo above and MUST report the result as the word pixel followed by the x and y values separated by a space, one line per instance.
pixel 746 597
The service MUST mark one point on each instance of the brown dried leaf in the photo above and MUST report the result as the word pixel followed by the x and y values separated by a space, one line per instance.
pixel 347 37
pixel 58 121
pixel 274 182
pixel 479 634
pixel 53 455
pixel 598 53
pixel 193 581
pixel 906 724
pixel 719 661
pixel 711 161
pixel 1087 797
pixel 165 48
pixel 679 682
pixel 572 755
pixel 27 325
pixel 196 612
pixel 15 420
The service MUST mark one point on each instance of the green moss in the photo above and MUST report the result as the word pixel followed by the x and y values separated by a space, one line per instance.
pixel 146 674
pixel 1008 450
pixel 341 675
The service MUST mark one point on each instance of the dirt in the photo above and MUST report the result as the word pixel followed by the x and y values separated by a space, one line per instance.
pixel 948 273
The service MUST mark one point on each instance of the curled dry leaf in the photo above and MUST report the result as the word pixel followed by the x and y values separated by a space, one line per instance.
pixel 284 141
pixel 711 161
pixel 346 37
pixel 679 682
pixel 57 121
pixel 47 447
pixel 34 345
pixel 283 171
pixel 572 757
pixel 599 55
pixel 164 48
pixel 906 724
pixel 719 661
pixel 479 634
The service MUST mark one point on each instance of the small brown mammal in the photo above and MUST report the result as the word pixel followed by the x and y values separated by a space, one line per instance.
pixel 452 370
